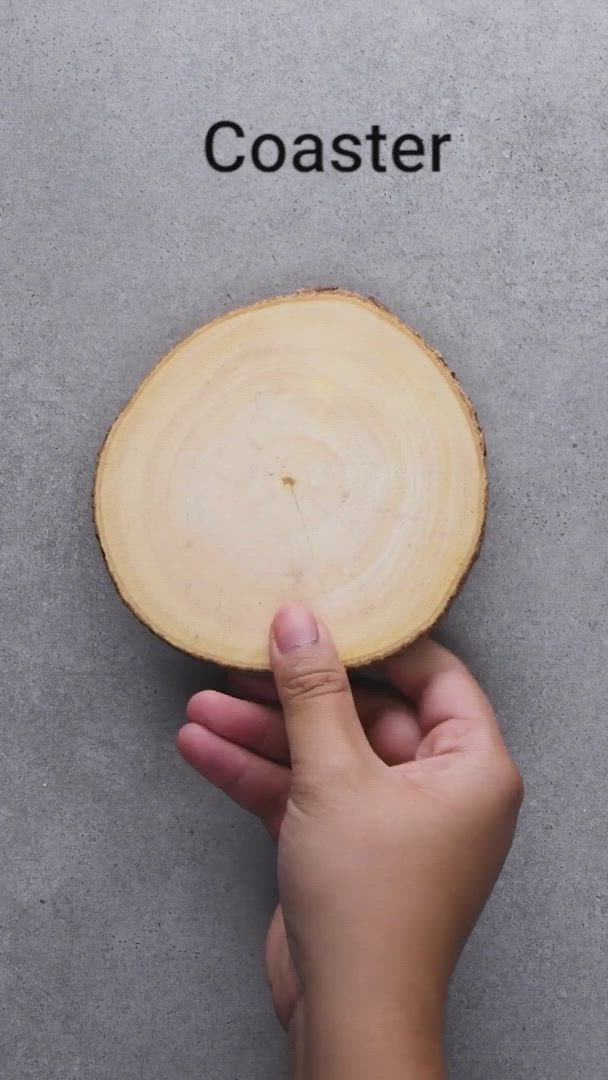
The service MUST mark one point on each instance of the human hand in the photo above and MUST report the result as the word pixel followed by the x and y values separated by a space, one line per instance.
pixel 384 865
pixel 238 741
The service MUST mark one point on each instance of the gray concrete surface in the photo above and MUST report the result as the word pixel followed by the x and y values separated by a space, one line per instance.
pixel 133 898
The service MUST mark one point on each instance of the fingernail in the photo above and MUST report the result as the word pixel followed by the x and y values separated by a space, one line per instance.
pixel 293 627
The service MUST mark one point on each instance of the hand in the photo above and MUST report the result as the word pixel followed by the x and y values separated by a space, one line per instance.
pixel 384 865
pixel 241 746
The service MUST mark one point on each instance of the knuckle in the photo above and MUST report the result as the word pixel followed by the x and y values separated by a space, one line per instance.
pixel 304 682
pixel 445 741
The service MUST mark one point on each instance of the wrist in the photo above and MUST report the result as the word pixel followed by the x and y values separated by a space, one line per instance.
pixel 341 1037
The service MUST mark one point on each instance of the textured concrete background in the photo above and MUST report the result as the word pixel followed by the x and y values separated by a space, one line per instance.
pixel 133 898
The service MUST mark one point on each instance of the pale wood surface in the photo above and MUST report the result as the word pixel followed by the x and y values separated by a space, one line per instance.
pixel 309 447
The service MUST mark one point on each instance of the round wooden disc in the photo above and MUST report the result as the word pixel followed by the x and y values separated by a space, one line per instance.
pixel 310 447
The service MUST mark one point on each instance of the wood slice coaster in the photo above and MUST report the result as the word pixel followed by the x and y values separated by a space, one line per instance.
pixel 309 447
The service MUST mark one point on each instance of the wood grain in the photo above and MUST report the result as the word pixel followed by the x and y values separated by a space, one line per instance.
pixel 310 447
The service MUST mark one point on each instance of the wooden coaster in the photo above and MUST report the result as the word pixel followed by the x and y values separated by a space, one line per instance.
pixel 309 447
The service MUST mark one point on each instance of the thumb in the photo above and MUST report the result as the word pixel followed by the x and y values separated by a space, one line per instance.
pixel 320 716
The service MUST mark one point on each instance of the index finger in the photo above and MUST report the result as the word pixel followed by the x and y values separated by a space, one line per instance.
pixel 440 685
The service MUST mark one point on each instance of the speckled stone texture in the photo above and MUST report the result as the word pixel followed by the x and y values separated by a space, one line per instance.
pixel 133 898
